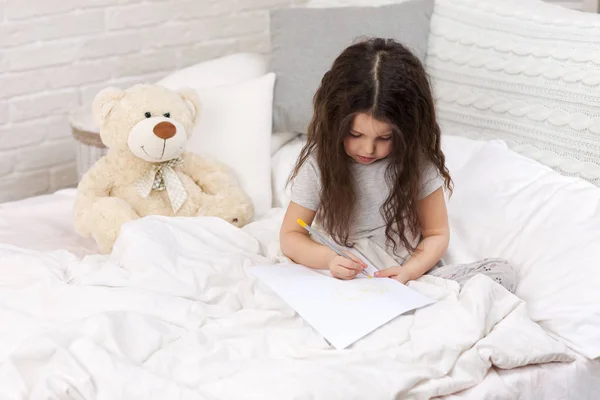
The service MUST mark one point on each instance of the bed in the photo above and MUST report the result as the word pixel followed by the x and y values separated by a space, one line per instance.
pixel 189 321
pixel 176 313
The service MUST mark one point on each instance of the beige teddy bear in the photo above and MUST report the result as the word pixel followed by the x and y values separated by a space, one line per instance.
pixel 146 128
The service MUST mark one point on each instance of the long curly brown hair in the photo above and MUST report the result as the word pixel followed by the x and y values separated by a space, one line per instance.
pixel 383 78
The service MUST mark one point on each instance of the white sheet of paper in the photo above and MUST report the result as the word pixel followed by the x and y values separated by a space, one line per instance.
pixel 342 311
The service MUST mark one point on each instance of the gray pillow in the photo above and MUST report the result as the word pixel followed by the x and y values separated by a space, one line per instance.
pixel 305 42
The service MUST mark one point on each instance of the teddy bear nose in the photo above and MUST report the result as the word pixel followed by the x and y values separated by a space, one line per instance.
pixel 165 130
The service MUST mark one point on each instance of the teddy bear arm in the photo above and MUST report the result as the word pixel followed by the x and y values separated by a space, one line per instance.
pixel 232 205
pixel 211 176
pixel 108 214
pixel 97 181
pixel 94 184
pixel 223 196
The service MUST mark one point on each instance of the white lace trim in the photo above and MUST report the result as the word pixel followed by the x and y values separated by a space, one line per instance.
pixel 519 108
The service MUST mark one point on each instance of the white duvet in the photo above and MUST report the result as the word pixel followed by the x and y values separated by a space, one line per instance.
pixel 175 313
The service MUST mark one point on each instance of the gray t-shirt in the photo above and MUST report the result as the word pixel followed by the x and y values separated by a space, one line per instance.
pixel 371 192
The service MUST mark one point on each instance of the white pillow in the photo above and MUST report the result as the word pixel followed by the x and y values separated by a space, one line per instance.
pixel 235 128
pixel 283 163
pixel 522 71
pixel 545 224
pixel 226 70
pixel 280 139
pixel 235 122
pixel 350 3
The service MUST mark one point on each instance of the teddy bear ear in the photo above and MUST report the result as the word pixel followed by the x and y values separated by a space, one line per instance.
pixel 193 102
pixel 104 102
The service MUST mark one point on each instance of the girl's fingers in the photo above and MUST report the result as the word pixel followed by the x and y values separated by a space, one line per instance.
pixel 344 273
pixel 356 260
pixel 384 273
pixel 349 264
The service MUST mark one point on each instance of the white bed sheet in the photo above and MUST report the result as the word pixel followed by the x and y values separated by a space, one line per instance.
pixel 44 224
pixel 175 313
pixel 571 381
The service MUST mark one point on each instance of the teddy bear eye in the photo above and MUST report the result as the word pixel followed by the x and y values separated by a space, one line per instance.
pixel 168 115
pixel 148 115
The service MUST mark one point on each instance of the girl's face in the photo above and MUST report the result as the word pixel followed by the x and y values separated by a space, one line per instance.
pixel 369 139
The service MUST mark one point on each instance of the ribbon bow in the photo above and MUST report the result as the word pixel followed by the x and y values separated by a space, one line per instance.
pixel 160 177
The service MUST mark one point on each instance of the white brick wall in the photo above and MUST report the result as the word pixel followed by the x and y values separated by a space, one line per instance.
pixel 55 55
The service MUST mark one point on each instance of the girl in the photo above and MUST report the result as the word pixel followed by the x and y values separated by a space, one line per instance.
pixel 373 174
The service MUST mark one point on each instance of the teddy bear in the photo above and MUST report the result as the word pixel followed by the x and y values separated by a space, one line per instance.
pixel 146 171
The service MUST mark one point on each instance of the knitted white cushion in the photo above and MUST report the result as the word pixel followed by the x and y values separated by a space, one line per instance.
pixel 526 72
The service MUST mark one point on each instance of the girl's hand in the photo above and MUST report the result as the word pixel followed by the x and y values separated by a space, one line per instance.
pixel 398 273
pixel 343 268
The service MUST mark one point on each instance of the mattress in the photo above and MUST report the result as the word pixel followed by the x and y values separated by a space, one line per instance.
pixel 43 224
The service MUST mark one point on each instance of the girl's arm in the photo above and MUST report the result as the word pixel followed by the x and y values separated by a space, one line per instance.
pixel 295 242
pixel 433 218
pixel 297 245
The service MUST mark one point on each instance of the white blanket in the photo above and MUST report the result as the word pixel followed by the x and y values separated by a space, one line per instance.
pixel 175 314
